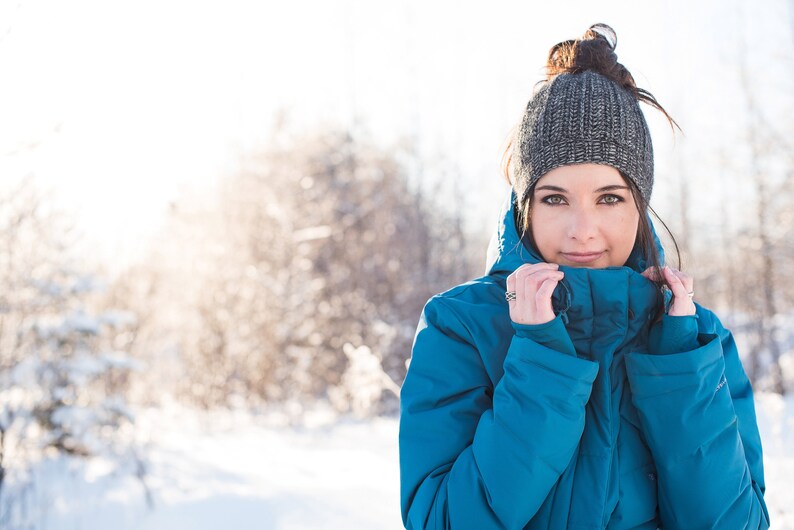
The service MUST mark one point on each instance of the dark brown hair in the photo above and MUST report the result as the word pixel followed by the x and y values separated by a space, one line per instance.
pixel 595 51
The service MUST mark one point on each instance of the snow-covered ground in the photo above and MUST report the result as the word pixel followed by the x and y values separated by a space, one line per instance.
pixel 776 422
pixel 207 471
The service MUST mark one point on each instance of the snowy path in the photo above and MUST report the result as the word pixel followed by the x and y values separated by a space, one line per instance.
pixel 208 472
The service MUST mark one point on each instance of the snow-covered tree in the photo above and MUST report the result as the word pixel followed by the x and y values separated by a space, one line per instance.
pixel 319 245
pixel 63 365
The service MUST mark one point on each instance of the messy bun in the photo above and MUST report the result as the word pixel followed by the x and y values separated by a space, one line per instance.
pixel 594 51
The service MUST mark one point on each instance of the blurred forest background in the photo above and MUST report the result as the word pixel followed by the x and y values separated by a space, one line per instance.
pixel 298 272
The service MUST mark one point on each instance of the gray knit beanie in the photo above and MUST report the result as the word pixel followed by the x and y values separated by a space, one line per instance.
pixel 578 118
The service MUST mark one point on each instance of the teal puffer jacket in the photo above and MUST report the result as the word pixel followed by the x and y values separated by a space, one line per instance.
pixel 498 431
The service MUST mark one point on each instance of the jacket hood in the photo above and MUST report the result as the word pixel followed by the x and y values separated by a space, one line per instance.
pixel 506 251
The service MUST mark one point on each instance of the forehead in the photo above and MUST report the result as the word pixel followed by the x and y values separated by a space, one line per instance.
pixel 582 176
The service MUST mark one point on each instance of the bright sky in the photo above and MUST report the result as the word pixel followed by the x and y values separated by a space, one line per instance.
pixel 129 102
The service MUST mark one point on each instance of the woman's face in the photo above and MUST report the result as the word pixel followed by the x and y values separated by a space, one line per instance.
pixel 584 215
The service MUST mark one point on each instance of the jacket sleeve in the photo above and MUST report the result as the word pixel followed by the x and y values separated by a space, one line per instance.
pixel 477 456
pixel 697 413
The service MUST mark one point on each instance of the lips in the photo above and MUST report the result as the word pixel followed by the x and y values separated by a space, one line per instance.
pixel 582 257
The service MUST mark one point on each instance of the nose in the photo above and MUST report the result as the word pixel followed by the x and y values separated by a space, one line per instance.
pixel 582 224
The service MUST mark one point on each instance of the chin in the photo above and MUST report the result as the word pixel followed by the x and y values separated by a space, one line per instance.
pixel 585 265
pixel 597 264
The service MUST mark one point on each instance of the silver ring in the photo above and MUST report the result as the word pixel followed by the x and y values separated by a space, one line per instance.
pixel 510 295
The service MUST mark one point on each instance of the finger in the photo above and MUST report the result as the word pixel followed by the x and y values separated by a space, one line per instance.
pixel 531 268
pixel 682 303
pixel 671 276
pixel 511 287
pixel 545 291
pixel 544 312
pixel 532 282
pixel 538 276
pixel 685 278
pixel 678 273
pixel 675 283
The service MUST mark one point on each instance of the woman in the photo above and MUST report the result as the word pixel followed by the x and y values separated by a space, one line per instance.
pixel 577 384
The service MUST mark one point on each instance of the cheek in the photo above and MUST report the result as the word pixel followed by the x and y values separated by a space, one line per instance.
pixel 623 227
pixel 546 226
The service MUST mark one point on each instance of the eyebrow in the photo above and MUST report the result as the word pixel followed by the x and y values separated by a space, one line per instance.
pixel 599 190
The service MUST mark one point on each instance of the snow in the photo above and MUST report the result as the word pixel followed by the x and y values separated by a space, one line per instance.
pixel 210 470
pixel 776 423
pixel 222 469
pixel 363 382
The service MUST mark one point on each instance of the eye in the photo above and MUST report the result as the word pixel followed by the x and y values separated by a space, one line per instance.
pixel 553 200
pixel 611 199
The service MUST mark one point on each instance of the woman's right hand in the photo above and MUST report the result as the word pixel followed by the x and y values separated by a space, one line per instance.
pixel 534 284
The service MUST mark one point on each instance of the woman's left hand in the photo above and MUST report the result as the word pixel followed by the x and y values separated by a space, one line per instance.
pixel 682 286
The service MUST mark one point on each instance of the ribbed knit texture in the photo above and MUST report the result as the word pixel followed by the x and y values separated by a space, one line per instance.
pixel 580 118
